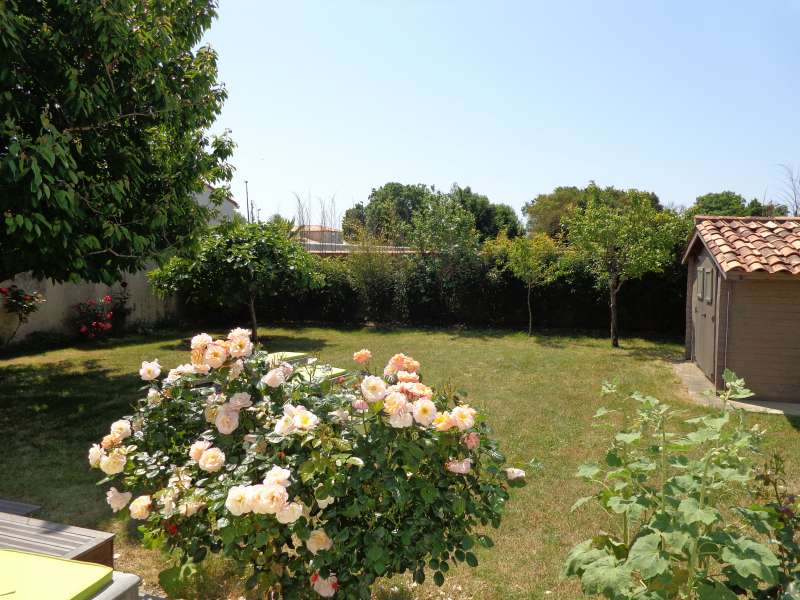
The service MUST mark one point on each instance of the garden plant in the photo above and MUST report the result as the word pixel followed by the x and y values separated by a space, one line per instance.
pixel 17 301
pixel 671 491
pixel 313 486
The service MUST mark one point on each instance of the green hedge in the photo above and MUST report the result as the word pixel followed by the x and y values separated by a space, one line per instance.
pixel 407 290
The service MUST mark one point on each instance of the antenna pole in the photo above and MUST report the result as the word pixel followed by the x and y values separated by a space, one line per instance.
pixel 247 200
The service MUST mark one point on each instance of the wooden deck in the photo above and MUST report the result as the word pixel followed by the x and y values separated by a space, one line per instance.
pixel 65 541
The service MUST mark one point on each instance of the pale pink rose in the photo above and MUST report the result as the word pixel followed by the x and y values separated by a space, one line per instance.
pixel 117 500
pixel 304 420
pixel 373 388
pixel 512 473
pixel 240 400
pixel 212 460
pixel 190 508
pixel 274 378
pixel 324 586
pixel 284 425
pixel 114 463
pixel 153 397
pixel 239 332
pixel 287 369
pixel 396 404
pixel 407 377
pixel 289 513
pixel 461 467
pixel 401 362
pixel 240 347
pixel 443 422
pixel 267 499
pixel 362 356
pixel 463 416
pixel 150 370
pixel 415 389
pixel 215 355
pixel 227 419
pixel 196 450
pixel 238 500
pixel 236 369
pixel 121 429
pixel 201 340
pixel 318 541
pixel 360 404
pixel 140 508
pixel 424 411
pixel 278 475
pixel 471 440
pixel 95 454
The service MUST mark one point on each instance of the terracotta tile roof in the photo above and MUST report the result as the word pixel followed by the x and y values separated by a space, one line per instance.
pixel 752 244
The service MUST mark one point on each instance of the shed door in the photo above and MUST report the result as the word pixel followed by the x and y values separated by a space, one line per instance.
pixel 704 300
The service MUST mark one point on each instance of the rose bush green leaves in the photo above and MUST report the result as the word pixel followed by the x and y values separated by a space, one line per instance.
pixel 315 483
pixel 668 490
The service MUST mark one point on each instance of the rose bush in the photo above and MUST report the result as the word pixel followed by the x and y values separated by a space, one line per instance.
pixel 315 486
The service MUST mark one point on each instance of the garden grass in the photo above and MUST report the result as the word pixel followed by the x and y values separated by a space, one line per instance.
pixel 539 395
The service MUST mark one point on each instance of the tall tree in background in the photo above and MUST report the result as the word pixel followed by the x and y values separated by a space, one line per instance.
pixel 546 212
pixel 490 219
pixel 733 204
pixel 621 241
pixel 390 209
pixel 354 222
pixel 102 141
pixel 535 261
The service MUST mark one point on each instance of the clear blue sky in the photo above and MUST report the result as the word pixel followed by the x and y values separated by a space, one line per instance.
pixel 333 98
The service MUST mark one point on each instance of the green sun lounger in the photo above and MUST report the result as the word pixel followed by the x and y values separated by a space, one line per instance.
pixel 29 576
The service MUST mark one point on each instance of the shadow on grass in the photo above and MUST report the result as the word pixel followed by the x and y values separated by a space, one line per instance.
pixel 49 416
pixel 36 344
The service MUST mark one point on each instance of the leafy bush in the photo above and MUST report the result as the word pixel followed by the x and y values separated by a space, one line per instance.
pixel 97 318
pixel 777 515
pixel 314 486
pixel 668 491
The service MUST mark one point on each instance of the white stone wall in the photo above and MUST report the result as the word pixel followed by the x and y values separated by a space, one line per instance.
pixel 56 313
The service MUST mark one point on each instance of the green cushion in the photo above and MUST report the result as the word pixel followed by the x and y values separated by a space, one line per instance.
pixel 29 576
pixel 289 357
pixel 306 372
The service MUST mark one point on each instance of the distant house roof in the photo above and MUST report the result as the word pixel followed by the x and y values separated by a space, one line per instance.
pixel 211 188
pixel 766 245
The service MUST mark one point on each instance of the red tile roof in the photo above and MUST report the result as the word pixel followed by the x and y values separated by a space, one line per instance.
pixel 751 244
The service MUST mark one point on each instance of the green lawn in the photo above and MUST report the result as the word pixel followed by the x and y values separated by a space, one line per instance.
pixel 539 393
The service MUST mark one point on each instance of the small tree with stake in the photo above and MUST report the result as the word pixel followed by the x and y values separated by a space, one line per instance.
pixel 535 261
pixel 236 264
pixel 621 241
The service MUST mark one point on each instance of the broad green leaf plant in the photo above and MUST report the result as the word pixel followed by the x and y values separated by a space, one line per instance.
pixel 668 485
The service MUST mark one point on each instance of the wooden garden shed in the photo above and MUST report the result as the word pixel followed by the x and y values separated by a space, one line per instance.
pixel 743 302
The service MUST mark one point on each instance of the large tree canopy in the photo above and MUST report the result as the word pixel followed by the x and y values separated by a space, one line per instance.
pixel 104 108
pixel 546 212
pixel 390 210
pixel 733 204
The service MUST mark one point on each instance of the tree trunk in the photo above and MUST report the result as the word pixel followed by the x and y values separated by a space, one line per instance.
pixel 253 322
pixel 613 288
pixel 530 313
